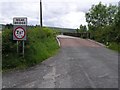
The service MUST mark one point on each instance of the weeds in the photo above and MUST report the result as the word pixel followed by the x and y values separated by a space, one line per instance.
pixel 40 45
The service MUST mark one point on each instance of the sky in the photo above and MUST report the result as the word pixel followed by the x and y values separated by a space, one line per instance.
pixel 56 13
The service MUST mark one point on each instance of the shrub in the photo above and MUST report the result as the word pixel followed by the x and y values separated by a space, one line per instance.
pixel 40 45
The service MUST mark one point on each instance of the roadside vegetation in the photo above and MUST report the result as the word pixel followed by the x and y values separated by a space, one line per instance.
pixel 40 44
pixel 104 25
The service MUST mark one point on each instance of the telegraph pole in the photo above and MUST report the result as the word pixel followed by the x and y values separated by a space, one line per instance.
pixel 119 5
pixel 40 13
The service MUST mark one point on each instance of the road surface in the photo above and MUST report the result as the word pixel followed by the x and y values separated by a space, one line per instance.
pixel 79 63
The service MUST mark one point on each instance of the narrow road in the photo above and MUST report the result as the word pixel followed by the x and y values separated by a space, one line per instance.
pixel 79 63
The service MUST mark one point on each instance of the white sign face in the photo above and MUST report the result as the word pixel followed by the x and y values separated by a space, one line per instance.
pixel 20 21
pixel 19 33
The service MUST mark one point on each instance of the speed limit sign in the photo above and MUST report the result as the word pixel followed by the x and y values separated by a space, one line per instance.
pixel 19 29
pixel 19 33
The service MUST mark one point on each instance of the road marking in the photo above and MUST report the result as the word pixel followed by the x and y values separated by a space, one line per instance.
pixel 58 41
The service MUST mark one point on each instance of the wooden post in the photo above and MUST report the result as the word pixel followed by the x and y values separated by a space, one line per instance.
pixel 40 13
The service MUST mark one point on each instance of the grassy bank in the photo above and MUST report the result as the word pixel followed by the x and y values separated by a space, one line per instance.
pixel 114 46
pixel 107 36
pixel 40 45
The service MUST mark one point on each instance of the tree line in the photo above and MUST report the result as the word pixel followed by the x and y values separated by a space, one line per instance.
pixel 103 23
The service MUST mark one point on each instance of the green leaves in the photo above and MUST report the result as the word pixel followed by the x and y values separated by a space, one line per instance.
pixel 40 45
pixel 104 24
pixel 100 15
pixel 82 29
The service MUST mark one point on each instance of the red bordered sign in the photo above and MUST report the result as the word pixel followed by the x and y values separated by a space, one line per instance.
pixel 19 33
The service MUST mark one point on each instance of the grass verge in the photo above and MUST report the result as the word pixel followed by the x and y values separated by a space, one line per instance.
pixel 40 44
pixel 114 46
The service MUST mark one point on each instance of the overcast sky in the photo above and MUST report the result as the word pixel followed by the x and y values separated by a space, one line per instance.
pixel 58 13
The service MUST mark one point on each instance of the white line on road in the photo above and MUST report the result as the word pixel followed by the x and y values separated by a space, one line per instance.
pixel 58 41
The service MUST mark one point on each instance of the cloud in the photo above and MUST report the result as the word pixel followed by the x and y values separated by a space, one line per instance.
pixel 69 20
pixel 74 19
pixel 61 13
pixel 15 9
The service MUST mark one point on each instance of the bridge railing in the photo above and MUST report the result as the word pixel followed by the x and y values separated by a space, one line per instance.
pixel 81 35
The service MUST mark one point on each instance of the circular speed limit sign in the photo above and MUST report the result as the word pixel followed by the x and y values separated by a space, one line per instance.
pixel 19 33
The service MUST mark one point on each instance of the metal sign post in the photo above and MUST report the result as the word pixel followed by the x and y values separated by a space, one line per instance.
pixel 19 31
pixel 23 48
pixel 17 47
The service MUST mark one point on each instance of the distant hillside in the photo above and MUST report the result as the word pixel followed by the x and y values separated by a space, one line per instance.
pixel 53 28
pixel 0 27
pixel 63 29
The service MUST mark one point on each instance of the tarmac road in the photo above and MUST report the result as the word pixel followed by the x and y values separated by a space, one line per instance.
pixel 79 63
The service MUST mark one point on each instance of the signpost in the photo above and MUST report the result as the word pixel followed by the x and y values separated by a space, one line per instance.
pixel 19 31
pixel 40 13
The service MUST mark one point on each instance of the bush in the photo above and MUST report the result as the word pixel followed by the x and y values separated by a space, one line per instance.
pixel 114 46
pixel 40 45
pixel 108 35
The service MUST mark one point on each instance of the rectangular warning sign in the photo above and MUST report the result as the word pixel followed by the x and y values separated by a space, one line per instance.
pixel 20 21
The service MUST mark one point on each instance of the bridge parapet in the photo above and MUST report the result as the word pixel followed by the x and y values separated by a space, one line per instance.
pixel 81 35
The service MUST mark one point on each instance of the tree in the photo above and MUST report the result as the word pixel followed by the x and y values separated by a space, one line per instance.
pixel 9 26
pixel 104 23
pixel 100 15
pixel 111 14
pixel 83 28
pixel 77 30
pixel 96 17
pixel 117 25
